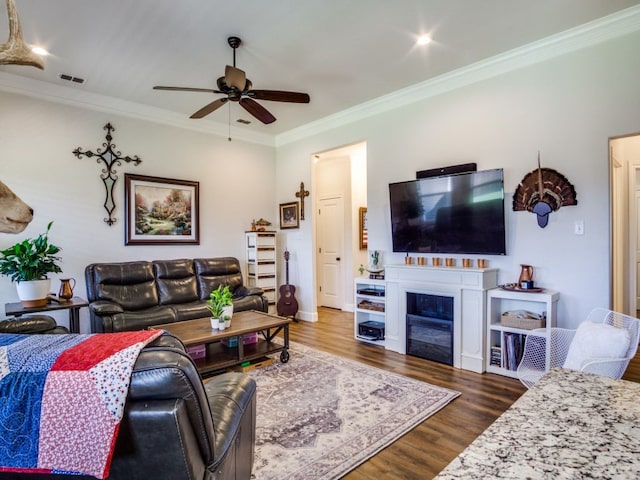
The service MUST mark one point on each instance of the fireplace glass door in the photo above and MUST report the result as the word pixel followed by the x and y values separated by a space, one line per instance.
pixel 430 327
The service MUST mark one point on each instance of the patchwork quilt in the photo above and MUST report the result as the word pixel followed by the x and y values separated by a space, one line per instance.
pixel 62 399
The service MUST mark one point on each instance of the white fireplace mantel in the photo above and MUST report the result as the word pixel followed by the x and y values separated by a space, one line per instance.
pixel 468 288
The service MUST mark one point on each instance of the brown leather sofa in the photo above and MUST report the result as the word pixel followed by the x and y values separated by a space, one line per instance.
pixel 135 295
pixel 177 428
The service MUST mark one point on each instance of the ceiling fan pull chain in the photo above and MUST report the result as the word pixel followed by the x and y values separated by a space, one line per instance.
pixel 230 121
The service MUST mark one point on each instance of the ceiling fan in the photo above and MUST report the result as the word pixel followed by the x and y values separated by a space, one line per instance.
pixel 238 88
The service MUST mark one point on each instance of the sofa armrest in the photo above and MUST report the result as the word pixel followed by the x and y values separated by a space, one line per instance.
pixel 103 308
pixel 244 291
pixel 232 400
pixel 32 324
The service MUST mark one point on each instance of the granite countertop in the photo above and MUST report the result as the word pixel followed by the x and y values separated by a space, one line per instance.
pixel 570 425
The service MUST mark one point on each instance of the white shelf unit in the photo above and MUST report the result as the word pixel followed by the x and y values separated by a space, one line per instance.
pixel 370 306
pixel 500 301
pixel 261 263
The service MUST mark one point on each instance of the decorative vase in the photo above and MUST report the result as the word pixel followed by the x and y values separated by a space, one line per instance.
pixel 526 274
pixel 66 289
pixel 33 293
pixel 215 323
pixel 227 312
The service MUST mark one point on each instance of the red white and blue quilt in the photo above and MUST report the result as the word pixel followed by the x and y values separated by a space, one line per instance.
pixel 62 399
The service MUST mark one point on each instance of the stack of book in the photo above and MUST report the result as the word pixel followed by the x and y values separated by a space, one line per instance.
pixel 496 357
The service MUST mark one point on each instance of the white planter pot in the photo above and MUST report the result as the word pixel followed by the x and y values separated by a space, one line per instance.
pixel 34 292
pixel 227 313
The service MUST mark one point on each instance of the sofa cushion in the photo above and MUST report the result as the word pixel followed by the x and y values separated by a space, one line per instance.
pixel 251 302
pixel 176 281
pixel 189 311
pixel 142 319
pixel 213 272
pixel 130 284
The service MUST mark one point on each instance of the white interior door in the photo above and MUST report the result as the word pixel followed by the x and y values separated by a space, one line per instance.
pixel 635 260
pixel 331 251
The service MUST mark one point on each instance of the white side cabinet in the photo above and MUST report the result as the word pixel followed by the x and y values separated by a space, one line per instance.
pixel 505 343
pixel 369 323
pixel 261 263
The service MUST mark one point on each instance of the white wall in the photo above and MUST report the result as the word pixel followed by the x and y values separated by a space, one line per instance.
pixel 359 199
pixel 566 107
pixel 36 142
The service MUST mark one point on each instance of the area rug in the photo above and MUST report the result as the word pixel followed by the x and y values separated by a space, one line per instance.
pixel 320 415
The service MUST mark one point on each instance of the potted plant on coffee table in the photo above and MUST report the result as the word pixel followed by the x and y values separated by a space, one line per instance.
pixel 27 263
pixel 221 305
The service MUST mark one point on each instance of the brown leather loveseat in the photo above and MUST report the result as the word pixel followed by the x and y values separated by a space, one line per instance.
pixel 175 427
pixel 135 295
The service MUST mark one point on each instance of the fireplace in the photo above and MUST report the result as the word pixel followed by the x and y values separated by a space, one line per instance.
pixel 430 327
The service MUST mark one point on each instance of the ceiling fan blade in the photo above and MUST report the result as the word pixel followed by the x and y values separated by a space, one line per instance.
pixel 279 96
pixel 186 89
pixel 207 109
pixel 257 110
pixel 234 77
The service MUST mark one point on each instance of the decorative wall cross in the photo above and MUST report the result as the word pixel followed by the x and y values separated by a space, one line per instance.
pixel 110 157
pixel 301 194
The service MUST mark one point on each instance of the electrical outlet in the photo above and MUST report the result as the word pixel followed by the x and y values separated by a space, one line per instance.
pixel 579 227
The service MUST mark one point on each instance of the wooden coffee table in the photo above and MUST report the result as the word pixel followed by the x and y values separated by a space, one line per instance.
pixel 218 355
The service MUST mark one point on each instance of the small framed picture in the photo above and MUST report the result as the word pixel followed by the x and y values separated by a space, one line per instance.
pixel 290 215
pixel 364 232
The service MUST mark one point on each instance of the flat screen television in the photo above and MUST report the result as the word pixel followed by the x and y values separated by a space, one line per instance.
pixel 461 213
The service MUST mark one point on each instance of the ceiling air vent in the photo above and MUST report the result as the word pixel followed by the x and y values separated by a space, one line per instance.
pixel 71 78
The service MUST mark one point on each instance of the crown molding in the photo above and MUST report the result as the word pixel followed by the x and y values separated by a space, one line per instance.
pixel 70 96
pixel 597 31
pixel 592 33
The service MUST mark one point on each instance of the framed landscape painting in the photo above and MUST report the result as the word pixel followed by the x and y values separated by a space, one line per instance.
pixel 161 211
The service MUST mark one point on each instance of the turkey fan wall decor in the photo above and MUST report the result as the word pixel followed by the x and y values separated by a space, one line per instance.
pixel 543 191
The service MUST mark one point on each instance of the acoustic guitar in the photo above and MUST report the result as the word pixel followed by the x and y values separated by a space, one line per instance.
pixel 287 305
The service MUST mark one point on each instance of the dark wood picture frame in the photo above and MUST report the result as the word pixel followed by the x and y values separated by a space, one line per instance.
pixel 161 211
pixel 289 215
pixel 364 233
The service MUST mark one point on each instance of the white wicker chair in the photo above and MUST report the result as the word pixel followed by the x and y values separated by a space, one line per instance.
pixel 535 363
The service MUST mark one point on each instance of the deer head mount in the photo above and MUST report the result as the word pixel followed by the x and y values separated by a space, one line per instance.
pixel 15 215
pixel 15 51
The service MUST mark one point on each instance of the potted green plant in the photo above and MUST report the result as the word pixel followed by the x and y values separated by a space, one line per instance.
pixel 27 263
pixel 221 304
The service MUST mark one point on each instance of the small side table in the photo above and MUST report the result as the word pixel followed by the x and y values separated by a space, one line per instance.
pixel 74 305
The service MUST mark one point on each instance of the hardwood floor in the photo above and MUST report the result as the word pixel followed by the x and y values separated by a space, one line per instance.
pixel 428 448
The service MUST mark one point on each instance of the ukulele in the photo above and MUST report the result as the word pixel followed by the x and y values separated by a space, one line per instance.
pixel 287 305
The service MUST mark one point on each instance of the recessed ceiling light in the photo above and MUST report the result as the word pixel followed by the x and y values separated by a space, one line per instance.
pixel 40 51
pixel 423 40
